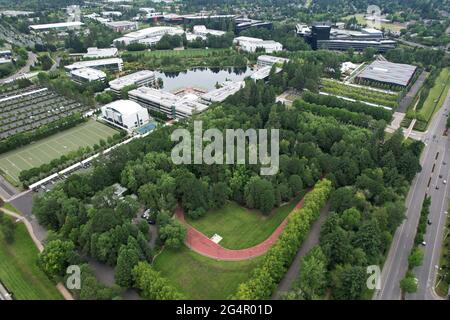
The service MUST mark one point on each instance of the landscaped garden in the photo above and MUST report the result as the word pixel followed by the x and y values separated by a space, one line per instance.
pixel 19 271
pixel 199 277
pixel 239 227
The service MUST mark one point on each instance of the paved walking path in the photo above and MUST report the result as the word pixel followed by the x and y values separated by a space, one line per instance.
pixel 64 292
pixel 201 244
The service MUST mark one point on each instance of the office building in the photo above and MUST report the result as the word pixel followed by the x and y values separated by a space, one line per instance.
pixel 96 53
pixel 250 44
pixel 140 78
pixel 125 114
pixel 227 89
pixel 110 64
pixel 148 35
pixel 268 61
pixel 203 31
pixel 385 72
pixel 86 75
pixel 122 26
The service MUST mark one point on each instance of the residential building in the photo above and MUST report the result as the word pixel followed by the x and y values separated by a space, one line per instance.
pixel 268 61
pixel 250 44
pixel 86 75
pixel 125 113
pixel 111 64
pixel 140 78
pixel 98 53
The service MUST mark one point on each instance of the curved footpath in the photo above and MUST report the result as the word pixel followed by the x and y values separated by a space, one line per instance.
pixel 64 292
pixel 201 244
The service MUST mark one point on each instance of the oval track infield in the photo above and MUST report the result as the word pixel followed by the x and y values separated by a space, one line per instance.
pixel 201 244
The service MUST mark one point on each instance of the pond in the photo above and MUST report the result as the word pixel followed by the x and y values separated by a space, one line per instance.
pixel 202 78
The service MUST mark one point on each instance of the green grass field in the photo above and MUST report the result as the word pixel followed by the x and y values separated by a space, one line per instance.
pixel 19 271
pixel 239 227
pixel 186 53
pixel 386 25
pixel 201 278
pixel 436 96
pixel 53 147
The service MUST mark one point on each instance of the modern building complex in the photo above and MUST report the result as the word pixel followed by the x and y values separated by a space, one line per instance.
pixel 5 56
pixel 56 26
pixel 250 44
pixel 140 78
pixel 385 72
pixel 96 53
pixel 203 31
pixel 125 113
pixel 86 75
pixel 111 64
pixel 167 103
pixel 268 61
pixel 322 36
pixel 227 89
pixel 122 26
pixel 244 23
pixel 148 36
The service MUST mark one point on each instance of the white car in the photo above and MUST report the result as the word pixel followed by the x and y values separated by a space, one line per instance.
pixel 424 243
pixel 444 182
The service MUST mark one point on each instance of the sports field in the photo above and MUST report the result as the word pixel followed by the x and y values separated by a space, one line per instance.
pixel 45 150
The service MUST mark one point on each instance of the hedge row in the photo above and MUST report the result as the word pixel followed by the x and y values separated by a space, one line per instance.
pixel 278 259
pixel 375 112
pixel 357 119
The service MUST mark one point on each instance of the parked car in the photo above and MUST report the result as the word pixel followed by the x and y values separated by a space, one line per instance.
pixel 424 243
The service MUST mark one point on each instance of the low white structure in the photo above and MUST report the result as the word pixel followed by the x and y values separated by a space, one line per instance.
pixel 201 30
pixel 148 35
pixel 96 53
pixel 250 44
pixel 125 113
pixel 55 26
pixel 85 75
pixel 227 89
pixel 140 78
pixel 165 102
pixel 122 26
pixel 111 63
pixel 5 60
pixel 111 13
pixel 263 73
pixel 268 61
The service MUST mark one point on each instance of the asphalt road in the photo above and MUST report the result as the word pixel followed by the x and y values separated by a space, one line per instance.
pixel 409 97
pixel 32 58
pixel 437 150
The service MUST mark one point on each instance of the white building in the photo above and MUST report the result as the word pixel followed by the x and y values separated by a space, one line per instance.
pixel 111 63
pixel 268 61
pixel 125 113
pixel 167 103
pixel 250 44
pixel 111 13
pixel 263 73
pixel 56 26
pixel 86 75
pixel 140 78
pixel 202 31
pixel 96 53
pixel 218 95
pixel 148 35
pixel 122 26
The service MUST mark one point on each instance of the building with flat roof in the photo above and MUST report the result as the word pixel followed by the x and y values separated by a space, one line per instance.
pixel 97 53
pixel 5 60
pixel 203 31
pixel 56 26
pixel 85 75
pixel 140 78
pixel 111 13
pixel 227 89
pixel 111 64
pixel 268 61
pixel 167 103
pixel 244 23
pixel 250 44
pixel 125 114
pixel 390 73
pixel 16 13
pixel 263 73
pixel 152 33
pixel 122 26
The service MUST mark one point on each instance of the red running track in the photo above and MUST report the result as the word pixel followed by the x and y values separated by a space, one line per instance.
pixel 201 244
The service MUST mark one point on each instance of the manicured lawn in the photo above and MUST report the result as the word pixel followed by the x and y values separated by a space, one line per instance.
pixel 45 150
pixel 444 261
pixel 239 227
pixel 19 271
pixel 187 53
pixel 201 278
pixel 386 25
pixel 436 96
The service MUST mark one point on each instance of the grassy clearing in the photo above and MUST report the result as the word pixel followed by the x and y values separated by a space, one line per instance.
pixel 239 227
pixel 201 278
pixel 53 147
pixel 436 97
pixel 186 53
pixel 386 25
pixel 19 271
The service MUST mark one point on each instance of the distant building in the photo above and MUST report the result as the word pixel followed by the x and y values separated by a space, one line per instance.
pixel 86 75
pixel 56 26
pixel 5 54
pixel 96 53
pixel 148 35
pixel 111 64
pixel 122 26
pixel 250 44
pixel 111 13
pixel 243 24
pixel 385 72
pixel 268 61
pixel 203 31
pixel 227 89
pixel 167 103
pixel 140 78
pixel 16 13
pixel 125 113
pixel 263 73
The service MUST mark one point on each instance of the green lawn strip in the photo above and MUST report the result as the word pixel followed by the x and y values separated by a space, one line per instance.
pixel 239 227
pixel 443 278
pixel 10 207
pixel 438 92
pixel 199 277
pixel 187 53
pixel 19 271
